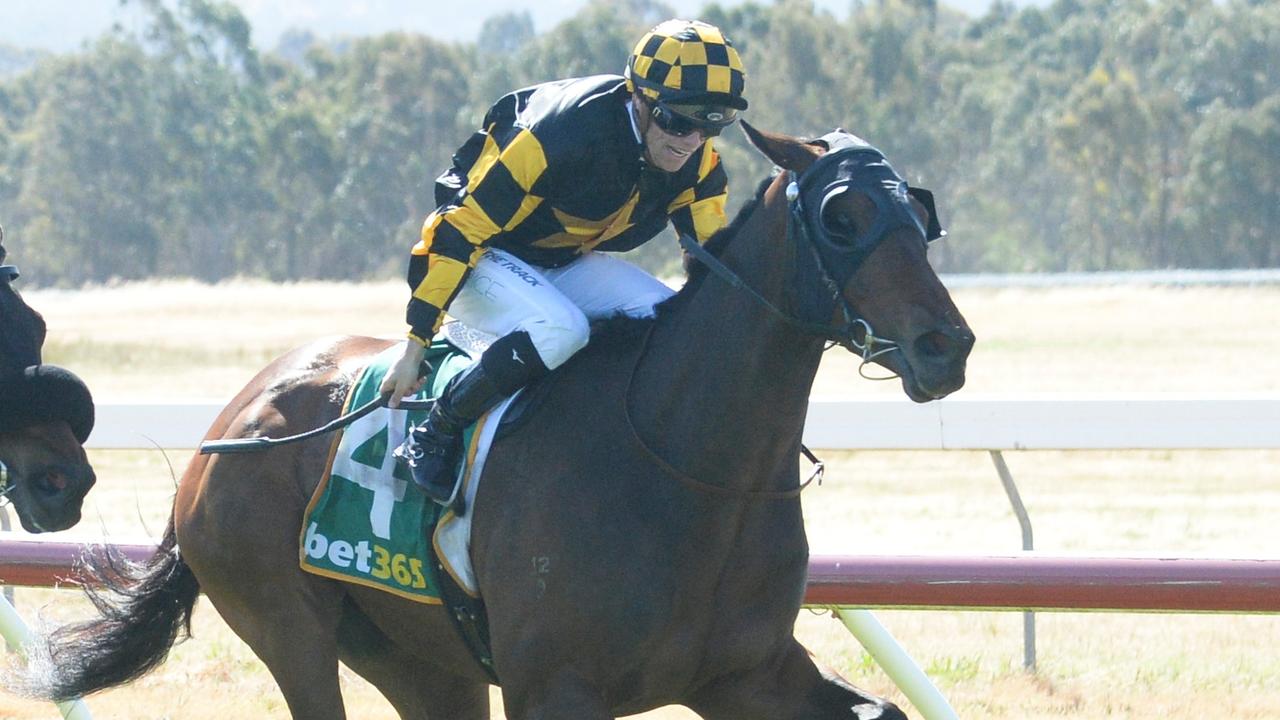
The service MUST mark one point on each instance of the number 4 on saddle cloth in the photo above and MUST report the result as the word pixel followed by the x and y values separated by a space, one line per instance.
pixel 366 522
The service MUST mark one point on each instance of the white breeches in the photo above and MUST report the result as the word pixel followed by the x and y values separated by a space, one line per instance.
pixel 504 294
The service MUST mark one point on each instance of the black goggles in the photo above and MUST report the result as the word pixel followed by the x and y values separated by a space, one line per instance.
pixel 710 120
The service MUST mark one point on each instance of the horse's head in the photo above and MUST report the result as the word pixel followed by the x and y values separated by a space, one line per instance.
pixel 46 412
pixel 868 233
pixel 45 473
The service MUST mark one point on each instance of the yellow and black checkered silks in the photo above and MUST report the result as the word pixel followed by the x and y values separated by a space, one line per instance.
pixel 557 171
pixel 687 61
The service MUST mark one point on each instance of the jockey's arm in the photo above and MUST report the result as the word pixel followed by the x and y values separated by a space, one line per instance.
pixel 497 198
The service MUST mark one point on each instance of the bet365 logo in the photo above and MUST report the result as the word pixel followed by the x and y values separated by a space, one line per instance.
pixel 366 558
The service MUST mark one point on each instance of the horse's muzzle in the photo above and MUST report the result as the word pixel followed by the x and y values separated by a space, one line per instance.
pixel 53 496
pixel 932 365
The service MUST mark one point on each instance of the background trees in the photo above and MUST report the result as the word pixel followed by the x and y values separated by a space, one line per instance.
pixel 1089 134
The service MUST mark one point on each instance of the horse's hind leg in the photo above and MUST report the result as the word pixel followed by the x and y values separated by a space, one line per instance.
pixel 237 529
pixel 416 690
pixel 791 688
pixel 294 633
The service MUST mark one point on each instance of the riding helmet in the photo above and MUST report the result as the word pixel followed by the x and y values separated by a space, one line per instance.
pixel 687 62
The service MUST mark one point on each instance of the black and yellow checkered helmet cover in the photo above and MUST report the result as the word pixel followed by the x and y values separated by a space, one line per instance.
pixel 687 61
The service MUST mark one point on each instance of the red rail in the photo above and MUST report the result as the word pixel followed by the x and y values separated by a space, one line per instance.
pixel 1047 582
pixel 41 563
pixel 997 582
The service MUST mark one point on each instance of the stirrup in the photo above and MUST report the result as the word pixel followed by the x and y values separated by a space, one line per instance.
pixel 414 455
pixel 434 449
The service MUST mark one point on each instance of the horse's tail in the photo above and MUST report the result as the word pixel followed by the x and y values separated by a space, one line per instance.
pixel 142 608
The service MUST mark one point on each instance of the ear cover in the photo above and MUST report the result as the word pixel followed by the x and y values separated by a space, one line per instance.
pixel 933 230
pixel 45 393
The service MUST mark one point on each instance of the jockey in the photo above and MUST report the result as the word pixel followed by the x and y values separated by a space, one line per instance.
pixel 558 172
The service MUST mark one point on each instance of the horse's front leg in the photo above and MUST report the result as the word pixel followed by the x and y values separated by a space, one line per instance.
pixel 559 696
pixel 790 687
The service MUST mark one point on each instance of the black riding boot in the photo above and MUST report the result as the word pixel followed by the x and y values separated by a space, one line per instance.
pixel 432 448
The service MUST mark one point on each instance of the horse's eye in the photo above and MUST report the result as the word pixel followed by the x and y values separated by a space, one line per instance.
pixel 839 224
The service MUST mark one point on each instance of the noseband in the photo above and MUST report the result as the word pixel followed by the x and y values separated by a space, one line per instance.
pixel 9 273
pixel 849 164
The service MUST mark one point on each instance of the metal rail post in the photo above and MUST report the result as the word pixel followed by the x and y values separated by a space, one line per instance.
pixel 1024 520
pixel 5 525
pixel 896 663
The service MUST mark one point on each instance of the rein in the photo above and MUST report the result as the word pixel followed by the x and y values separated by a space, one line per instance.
pixel 870 347
pixel 694 483
pixel 246 445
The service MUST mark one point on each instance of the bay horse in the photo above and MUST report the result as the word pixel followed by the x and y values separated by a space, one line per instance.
pixel 46 414
pixel 638 538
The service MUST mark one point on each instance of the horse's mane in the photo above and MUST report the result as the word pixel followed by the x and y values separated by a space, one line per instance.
pixel 620 329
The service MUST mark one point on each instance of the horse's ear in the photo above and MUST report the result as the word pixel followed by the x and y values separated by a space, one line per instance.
pixel 785 151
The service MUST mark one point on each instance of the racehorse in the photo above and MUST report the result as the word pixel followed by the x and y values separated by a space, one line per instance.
pixel 637 538
pixel 46 413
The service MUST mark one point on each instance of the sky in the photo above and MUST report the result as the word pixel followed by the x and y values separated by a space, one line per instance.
pixel 63 25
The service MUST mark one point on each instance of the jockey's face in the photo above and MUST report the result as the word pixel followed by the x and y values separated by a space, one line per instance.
pixel 663 150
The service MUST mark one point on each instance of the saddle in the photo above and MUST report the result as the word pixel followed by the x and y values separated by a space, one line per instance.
pixel 367 524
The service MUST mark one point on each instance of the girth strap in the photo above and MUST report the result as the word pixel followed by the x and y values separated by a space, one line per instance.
pixel 466 614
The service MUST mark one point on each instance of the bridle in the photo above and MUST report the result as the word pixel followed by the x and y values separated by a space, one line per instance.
pixel 855 333
pixel 889 192
pixel 870 347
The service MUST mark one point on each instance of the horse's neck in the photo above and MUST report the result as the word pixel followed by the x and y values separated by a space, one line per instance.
pixel 21 332
pixel 723 389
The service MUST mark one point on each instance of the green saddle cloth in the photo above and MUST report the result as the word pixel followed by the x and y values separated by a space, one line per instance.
pixel 366 522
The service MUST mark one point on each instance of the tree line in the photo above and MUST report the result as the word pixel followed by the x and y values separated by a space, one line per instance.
pixel 1086 135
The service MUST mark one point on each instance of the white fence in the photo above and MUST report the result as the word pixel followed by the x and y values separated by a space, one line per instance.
pixel 970 423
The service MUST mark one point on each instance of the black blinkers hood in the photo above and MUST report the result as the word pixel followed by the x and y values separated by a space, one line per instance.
pixel 851 163
pixel 32 392
pixel 45 393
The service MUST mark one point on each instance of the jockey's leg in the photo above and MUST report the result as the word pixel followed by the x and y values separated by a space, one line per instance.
pixel 602 285
pixel 434 447
pixel 540 328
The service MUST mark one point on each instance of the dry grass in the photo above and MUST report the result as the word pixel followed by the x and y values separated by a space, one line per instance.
pixel 127 342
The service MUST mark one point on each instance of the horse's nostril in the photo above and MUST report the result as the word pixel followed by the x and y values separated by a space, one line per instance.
pixel 933 345
pixel 53 481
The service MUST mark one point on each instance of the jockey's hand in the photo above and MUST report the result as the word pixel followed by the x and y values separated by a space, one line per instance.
pixel 406 376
